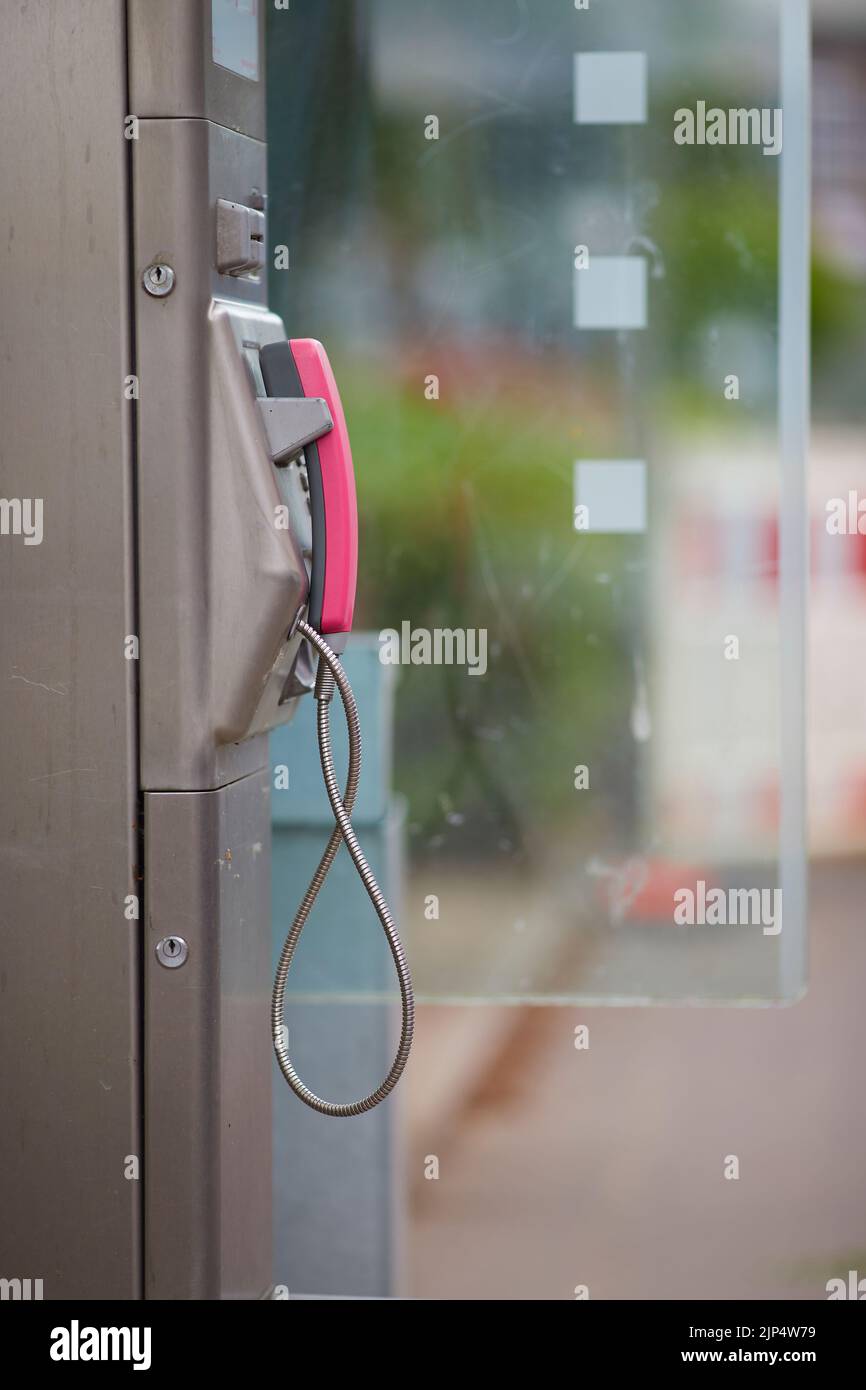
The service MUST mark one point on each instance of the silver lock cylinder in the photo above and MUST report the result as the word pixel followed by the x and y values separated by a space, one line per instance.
pixel 172 952
pixel 158 279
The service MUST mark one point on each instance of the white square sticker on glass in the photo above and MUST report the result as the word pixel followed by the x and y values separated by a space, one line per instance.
pixel 610 88
pixel 610 496
pixel 611 292
pixel 235 28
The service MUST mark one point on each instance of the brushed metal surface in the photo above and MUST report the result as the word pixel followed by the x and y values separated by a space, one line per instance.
pixel 208 1050
pixel 172 72
pixel 69 1016
pixel 220 583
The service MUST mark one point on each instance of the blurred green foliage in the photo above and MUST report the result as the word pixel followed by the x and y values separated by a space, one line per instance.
pixel 466 521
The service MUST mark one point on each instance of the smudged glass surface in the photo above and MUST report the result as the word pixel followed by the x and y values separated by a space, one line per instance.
pixel 491 392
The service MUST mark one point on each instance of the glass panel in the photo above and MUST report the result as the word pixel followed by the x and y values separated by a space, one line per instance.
pixel 544 248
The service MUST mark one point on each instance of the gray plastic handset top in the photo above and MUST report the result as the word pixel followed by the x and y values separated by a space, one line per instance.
pixel 293 422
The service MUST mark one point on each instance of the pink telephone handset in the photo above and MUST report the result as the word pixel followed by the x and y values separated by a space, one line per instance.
pixel 338 491
pixel 301 368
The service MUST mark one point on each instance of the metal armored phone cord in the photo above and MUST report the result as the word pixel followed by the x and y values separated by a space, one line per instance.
pixel 331 672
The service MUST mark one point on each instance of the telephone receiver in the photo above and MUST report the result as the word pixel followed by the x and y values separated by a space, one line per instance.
pixel 302 405
pixel 299 369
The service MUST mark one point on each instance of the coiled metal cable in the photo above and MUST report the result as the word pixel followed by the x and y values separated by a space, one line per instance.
pixel 331 672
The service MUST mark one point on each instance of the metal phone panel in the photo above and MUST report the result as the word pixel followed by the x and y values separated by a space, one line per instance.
pixel 220 583
pixel 70 1142
pixel 173 72
pixel 208 1050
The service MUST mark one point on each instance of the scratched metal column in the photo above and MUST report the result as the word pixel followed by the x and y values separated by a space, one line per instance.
pixel 70 1137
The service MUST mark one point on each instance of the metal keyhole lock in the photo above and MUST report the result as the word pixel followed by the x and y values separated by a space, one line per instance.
pixel 172 952
pixel 158 279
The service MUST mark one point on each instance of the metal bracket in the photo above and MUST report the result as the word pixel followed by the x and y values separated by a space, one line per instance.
pixel 240 239
pixel 293 422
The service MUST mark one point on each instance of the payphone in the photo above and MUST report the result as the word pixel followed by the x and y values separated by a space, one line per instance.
pixel 248 554
pixel 182 458
pixel 194 566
